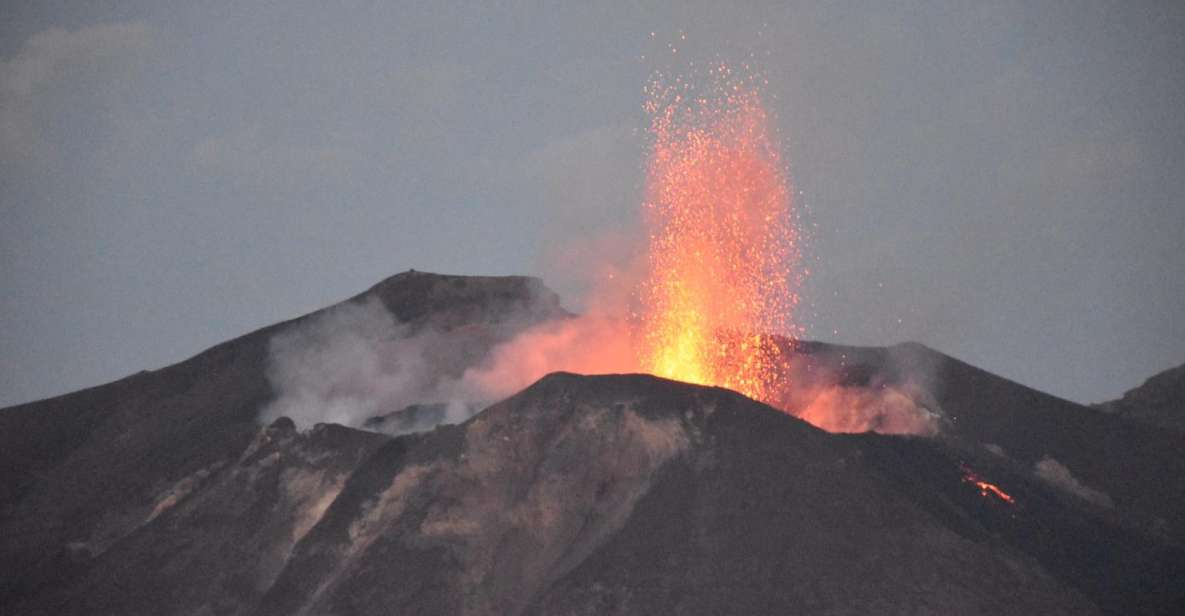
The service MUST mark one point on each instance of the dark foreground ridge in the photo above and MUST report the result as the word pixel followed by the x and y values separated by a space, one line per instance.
pixel 627 494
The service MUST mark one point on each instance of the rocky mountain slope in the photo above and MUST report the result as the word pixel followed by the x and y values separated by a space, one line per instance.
pixel 1159 401
pixel 628 494
pixel 1141 468
pixel 80 473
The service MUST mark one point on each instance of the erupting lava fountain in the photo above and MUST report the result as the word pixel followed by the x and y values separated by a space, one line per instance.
pixel 724 264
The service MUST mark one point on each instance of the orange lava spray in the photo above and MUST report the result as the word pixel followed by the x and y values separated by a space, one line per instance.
pixel 723 247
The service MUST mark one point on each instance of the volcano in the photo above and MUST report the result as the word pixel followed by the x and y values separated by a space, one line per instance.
pixel 174 491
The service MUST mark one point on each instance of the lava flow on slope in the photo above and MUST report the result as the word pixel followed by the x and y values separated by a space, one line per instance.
pixel 986 488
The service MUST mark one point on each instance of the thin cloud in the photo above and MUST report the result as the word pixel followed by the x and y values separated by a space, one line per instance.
pixel 45 60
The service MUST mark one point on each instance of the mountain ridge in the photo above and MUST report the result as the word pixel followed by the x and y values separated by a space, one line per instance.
pixel 1159 400
pixel 162 493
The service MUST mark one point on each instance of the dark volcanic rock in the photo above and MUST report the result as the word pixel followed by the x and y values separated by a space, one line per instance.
pixel 765 515
pixel 636 495
pixel 1159 401
pixel 218 538
pixel 448 302
pixel 627 494
pixel 414 418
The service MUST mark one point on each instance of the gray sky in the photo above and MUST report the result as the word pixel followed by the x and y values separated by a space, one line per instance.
pixel 1002 181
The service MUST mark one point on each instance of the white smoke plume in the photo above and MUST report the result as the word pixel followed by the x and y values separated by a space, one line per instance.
pixel 355 363
pixel 996 449
pixel 1057 475
pixel 348 364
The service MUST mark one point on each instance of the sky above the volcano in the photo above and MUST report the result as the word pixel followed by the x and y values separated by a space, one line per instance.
pixel 1002 181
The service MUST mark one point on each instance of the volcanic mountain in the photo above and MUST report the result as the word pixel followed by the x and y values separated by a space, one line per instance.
pixel 1160 400
pixel 164 493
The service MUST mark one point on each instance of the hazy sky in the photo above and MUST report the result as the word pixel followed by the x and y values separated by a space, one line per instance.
pixel 1002 181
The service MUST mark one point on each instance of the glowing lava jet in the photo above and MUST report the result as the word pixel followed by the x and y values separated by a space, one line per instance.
pixel 723 249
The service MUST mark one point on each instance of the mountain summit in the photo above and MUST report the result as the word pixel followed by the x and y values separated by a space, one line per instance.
pixel 1160 400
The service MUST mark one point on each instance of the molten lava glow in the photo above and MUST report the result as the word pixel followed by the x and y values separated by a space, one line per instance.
pixel 723 253
pixel 986 489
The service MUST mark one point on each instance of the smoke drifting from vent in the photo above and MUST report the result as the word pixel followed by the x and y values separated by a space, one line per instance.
pixel 356 365
pixel 348 364
pixel 839 393
pixel 1057 475
pixel 888 409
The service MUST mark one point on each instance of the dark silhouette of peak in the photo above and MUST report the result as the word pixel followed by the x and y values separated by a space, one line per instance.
pixel 455 300
pixel 1159 401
